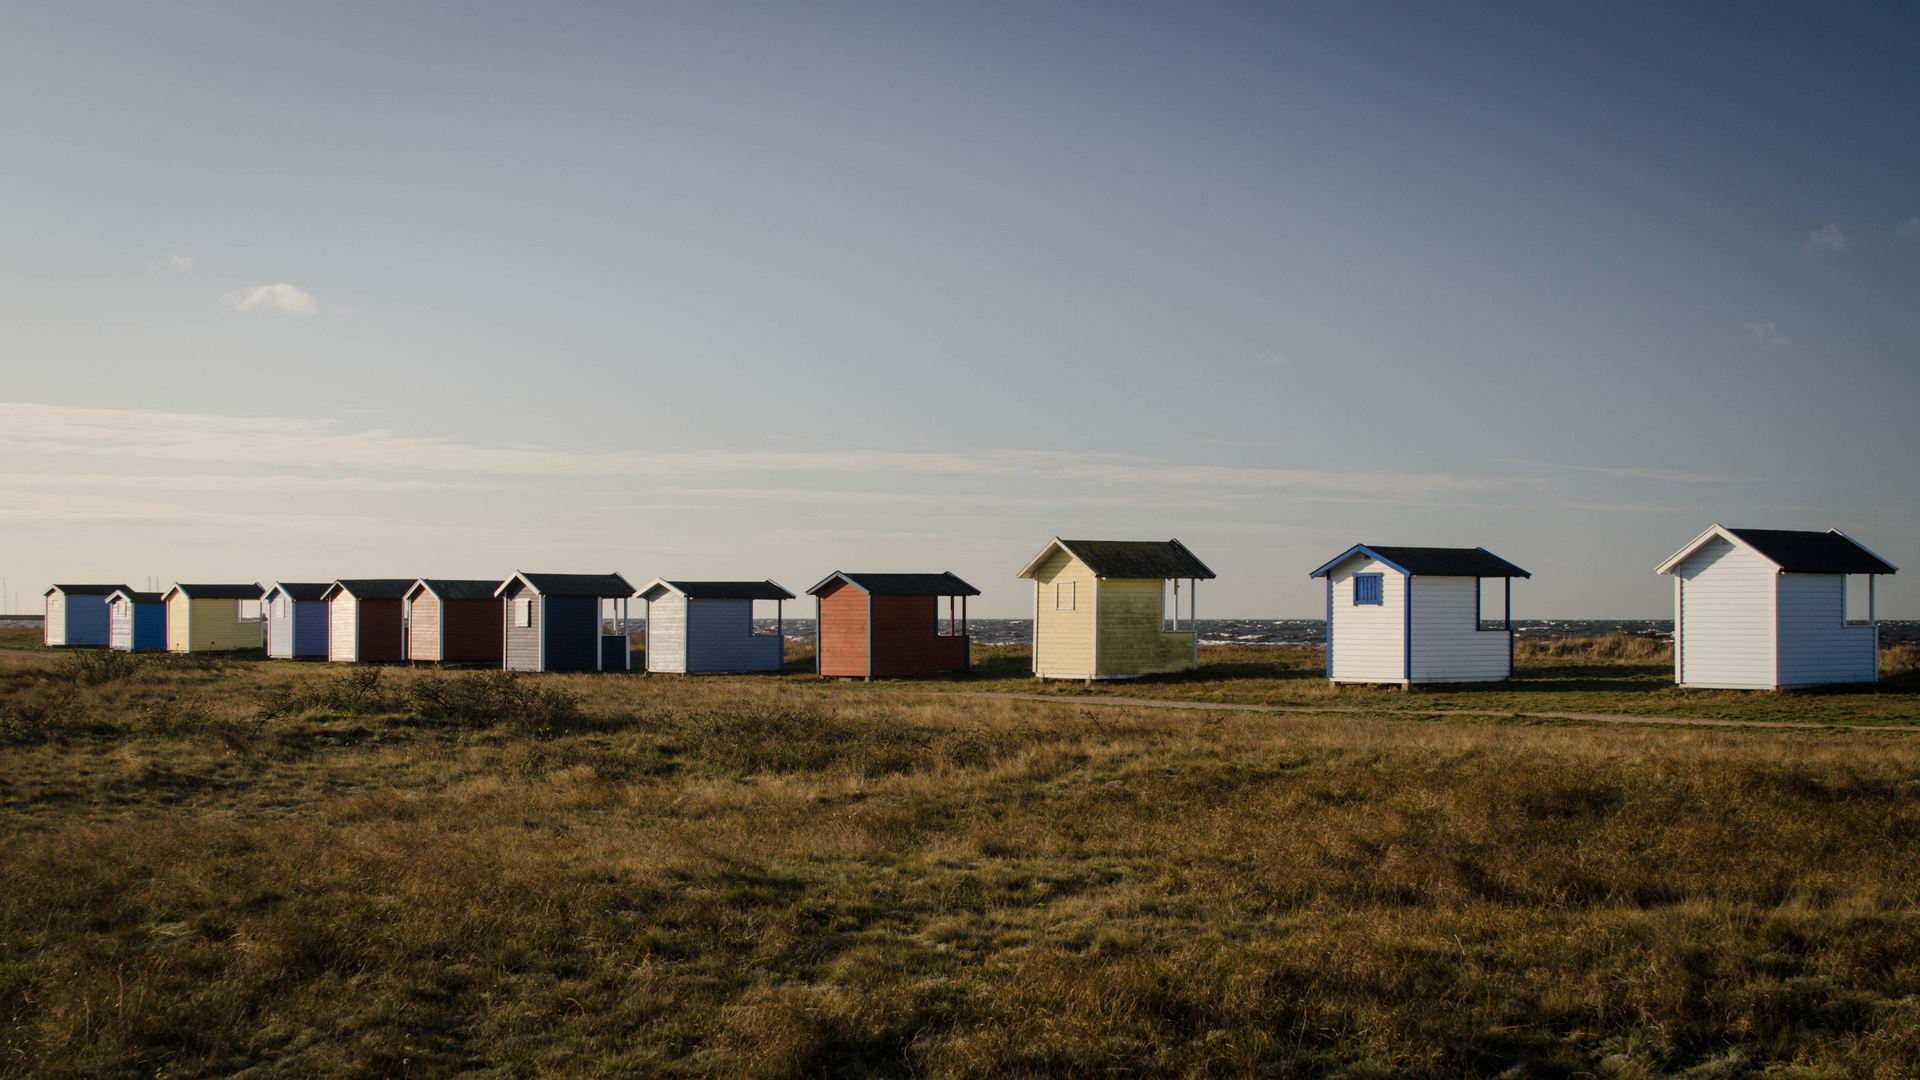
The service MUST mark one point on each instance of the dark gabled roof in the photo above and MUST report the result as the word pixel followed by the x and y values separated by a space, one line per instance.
pixel 140 597
pixel 220 592
pixel 719 590
pixel 460 589
pixel 1133 558
pixel 301 590
pixel 384 588
pixel 1797 552
pixel 605 586
pixel 942 584
pixel 84 590
pixel 1433 561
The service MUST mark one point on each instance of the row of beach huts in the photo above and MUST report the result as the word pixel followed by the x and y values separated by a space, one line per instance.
pixel 1753 609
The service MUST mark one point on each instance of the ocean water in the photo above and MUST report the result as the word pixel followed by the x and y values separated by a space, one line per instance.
pixel 1299 632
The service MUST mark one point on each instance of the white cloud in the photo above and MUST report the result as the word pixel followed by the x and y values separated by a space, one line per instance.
pixel 1765 333
pixel 1829 238
pixel 318 445
pixel 173 261
pixel 1910 229
pixel 277 297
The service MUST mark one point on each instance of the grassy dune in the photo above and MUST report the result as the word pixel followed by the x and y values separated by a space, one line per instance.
pixel 269 869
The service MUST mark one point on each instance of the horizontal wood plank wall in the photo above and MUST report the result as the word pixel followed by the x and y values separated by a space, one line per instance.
pixel 1063 639
pixel 54 632
pixel 473 630
pixel 843 630
pixel 1728 608
pixel 1816 644
pixel 1131 639
pixel 905 641
pixel 86 620
pixel 1448 644
pixel 1369 640
pixel 217 628
pixel 382 630
pixel 309 628
pixel 150 628
pixel 720 638
pixel 179 622
pixel 523 642
pixel 343 628
pixel 120 626
pixel 279 627
pixel 573 632
pixel 667 634
pixel 423 628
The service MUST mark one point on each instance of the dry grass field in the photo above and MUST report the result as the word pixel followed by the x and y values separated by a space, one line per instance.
pixel 219 868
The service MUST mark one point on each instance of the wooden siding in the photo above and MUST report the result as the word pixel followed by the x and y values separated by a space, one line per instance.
pixel 843 630
pixel 1369 640
pixel 279 628
pixel 120 626
pixel 210 626
pixel 54 630
pixel 76 620
pixel 423 628
pixel 1448 644
pixel 1063 640
pixel 1726 618
pixel 343 629
pixel 522 642
pixel 905 641
pixel 382 628
pixel 719 637
pixel 309 629
pixel 667 634
pixel 472 631
pixel 1816 644
pixel 1131 639
pixel 137 627
pixel 573 633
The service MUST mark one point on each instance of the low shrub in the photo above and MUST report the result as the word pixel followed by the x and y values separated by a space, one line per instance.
pixel 484 699
pixel 29 719
pixel 93 667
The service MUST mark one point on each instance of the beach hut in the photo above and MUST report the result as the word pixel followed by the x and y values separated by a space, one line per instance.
pixel 889 624
pixel 367 620
pixel 136 621
pixel 555 622
pixel 454 622
pixel 1413 615
pixel 77 614
pixel 1766 609
pixel 296 615
pixel 1110 609
pixel 208 618
pixel 707 626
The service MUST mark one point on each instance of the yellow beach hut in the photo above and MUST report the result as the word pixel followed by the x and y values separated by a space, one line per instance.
pixel 206 618
pixel 1111 609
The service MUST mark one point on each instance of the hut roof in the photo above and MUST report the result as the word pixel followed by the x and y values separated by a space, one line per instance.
pixel 1794 551
pixel 371 588
pixel 716 590
pixel 457 589
pixel 605 586
pixel 219 592
pixel 301 590
pixel 84 590
pixel 1127 558
pixel 1432 561
pixel 942 584
pixel 140 597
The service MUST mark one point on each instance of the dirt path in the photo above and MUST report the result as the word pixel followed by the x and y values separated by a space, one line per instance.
pixel 1603 718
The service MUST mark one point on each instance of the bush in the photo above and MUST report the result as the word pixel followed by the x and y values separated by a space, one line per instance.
pixel 489 698
pixel 22 720
pixel 92 667
pixel 1618 645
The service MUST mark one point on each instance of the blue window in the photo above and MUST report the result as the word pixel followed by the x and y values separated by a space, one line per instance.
pixel 1366 589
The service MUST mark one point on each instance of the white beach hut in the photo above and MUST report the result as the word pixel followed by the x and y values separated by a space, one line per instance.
pixel 696 627
pixel 1411 615
pixel 1766 609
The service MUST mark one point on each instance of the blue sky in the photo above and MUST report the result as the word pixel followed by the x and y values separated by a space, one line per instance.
pixel 302 292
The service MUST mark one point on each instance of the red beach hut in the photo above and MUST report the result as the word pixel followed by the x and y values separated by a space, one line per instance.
pixel 889 624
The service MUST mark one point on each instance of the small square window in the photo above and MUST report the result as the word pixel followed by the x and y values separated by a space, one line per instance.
pixel 1063 595
pixel 1366 589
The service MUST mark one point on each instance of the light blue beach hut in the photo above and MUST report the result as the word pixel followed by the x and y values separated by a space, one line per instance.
pixel 77 614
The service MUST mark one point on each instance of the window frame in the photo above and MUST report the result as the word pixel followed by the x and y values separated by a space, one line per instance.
pixel 1379 583
pixel 1067 590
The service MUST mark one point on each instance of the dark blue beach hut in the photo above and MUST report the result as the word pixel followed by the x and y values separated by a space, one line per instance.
pixel 77 614
pixel 296 619
pixel 555 622
pixel 137 621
